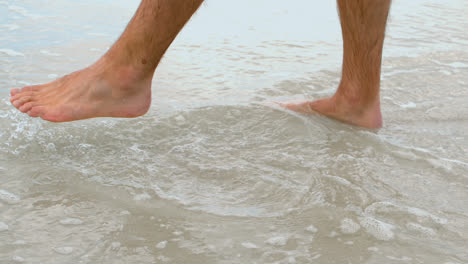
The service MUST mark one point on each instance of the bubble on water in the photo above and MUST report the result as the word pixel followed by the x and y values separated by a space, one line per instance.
pixel 348 226
pixel 64 250
pixel 249 245
pixel 51 147
pixel 18 259
pixel 3 227
pixel 8 197
pixel 52 76
pixel 378 229
pixel 349 242
pixel 141 197
pixel 180 119
pixel 124 212
pixel 11 53
pixel 115 245
pixel 373 249
pixel 71 221
pixel 162 244
pixel 177 233
pixel 277 241
pixel 312 229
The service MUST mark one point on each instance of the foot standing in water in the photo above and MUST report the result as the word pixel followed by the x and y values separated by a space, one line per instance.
pixel 119 83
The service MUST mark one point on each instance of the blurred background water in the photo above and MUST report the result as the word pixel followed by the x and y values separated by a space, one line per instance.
pixel 212 174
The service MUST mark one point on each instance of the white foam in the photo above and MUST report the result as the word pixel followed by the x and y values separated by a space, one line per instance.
pixel 8 197
pixel 177 233
pixel 249 245
pixel 52 76
pixel 312 229
pixel 162 244
pixel 422 213
pixel 378 229
pixel 426 231
pixel 400 259
pixel 373 249
pixel 408 105
pixel 124 212
pixel 18 259
pixel 141 197
pixel 64 250
pixel 277 241
pixel 11 52
pixel 3 227
pixel 458 64
pixel 348 226
pixel 24 83
pixel 49 53
pixel 163 258
pixel 71 221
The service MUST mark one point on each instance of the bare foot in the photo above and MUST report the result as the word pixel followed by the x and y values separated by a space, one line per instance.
pixel 339 108
pixel 97 91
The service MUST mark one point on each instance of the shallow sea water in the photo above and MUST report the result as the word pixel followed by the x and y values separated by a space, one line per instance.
pixel 213 173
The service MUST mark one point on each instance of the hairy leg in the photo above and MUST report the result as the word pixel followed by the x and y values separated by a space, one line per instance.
pixel 119 83
pixel 357 99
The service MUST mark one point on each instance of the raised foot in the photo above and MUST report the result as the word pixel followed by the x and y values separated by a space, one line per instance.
pixel 368 117
pixel 93 92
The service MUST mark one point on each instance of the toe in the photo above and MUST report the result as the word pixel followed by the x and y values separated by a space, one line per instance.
pixel 36 111
pixel 21 95
pixel 26 107
pixel 25 89
pixel 22 100
pixel 15 91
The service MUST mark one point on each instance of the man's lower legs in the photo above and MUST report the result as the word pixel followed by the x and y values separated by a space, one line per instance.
pixel 119 83
pixel 357 99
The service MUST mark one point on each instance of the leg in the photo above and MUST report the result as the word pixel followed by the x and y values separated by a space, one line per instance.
pixel 119 83
pixel 357 99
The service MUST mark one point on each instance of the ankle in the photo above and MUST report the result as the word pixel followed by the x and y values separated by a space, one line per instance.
pixel 358 97
pixel 121 77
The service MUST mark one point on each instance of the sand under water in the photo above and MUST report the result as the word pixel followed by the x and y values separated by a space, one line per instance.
pixel 212 174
